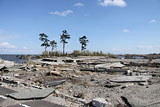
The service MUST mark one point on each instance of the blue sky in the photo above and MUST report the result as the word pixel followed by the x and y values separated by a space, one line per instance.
pixel 115 26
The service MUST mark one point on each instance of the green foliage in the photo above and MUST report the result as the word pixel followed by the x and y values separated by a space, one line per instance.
pixel 76 53
pixel 44 38
pixel 53 45
pixel 88 53
pixel 64 38
pixel 83 41
pixel 45 54
pixel 56 53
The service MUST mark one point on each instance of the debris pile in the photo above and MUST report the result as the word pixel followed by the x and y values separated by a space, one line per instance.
pixel 80 81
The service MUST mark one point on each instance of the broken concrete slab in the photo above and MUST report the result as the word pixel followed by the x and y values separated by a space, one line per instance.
pixel 87 69
pixel 8 80
pixel 55 73
pixel 2 98
pixel 32 94
pixel 67 69
pixel 52 63
pixel 109 65
pixel 8 64
pixel 143 97
pixel 49 59
pixel 113 71
pixel 4 91
pixel 39 103
pixel 100 102
pixel 41 62
pixel 122 79
pixel 12 69
pixel 56 82
pixel 111 85
pixel 2 66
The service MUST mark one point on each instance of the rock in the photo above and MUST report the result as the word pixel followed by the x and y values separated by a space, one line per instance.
pixel 100 102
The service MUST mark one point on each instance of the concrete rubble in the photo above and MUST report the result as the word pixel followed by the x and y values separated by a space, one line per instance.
pixel 100 102
pixel 121 79
pixel 31 94
pixel 109 65
pixel 80 82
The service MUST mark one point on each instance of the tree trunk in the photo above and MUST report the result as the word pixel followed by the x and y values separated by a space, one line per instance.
pixel 45 49
pixel 81 49
pixel 52 50
pixel 63 48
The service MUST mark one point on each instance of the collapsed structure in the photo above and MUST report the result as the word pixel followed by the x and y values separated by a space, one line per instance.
pixel 80 81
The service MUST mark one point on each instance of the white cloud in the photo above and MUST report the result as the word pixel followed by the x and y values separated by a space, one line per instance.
pixel 25 48
pixel 64 13
pixel 145 47
pixel 153 21
pixel 120 3
pixel 125 30
pixel 79 4
pixel 6 45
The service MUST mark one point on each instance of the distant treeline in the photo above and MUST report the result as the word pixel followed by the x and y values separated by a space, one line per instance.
pixel 141 56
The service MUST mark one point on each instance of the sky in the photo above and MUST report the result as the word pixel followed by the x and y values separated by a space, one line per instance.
pixel 111 26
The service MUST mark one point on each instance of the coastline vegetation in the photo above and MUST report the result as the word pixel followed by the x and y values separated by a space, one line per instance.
pixel 77 53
